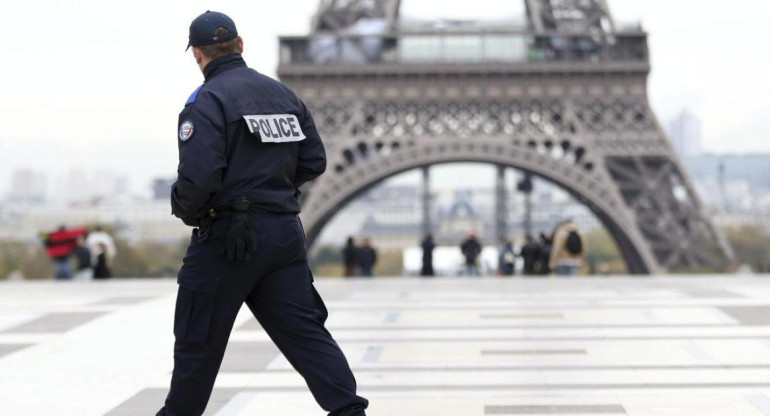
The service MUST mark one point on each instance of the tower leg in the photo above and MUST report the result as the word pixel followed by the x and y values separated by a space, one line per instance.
pixel 426 225
pixel 501 207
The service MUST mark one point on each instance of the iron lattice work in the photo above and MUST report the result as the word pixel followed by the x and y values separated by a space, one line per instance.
pixel 565 99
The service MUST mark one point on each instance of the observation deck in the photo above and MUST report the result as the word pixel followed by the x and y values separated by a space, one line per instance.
pixel 462 48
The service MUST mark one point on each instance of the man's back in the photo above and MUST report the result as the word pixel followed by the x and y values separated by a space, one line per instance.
pixel 251 137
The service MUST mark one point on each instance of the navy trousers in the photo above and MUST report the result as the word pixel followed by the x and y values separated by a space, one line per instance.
pixel 276 284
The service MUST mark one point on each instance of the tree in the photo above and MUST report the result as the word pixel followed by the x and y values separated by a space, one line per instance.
pixel 752 246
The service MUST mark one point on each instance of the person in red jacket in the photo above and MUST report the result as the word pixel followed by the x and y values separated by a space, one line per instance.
pixel 59 245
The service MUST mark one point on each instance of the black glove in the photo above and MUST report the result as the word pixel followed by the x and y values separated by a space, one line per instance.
pixel 241 241
pixel 191 221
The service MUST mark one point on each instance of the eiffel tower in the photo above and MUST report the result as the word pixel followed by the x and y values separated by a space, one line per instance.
pixel 561 95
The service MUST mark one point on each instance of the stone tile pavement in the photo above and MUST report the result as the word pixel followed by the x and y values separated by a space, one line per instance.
pixel 451 347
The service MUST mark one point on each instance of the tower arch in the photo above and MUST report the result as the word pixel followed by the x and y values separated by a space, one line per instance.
pixel 323 203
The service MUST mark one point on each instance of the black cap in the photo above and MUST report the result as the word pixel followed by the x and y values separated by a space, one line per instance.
pixel 203 27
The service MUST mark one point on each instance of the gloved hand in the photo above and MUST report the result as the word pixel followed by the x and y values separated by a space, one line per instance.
pixel 241 241
pixel 191 221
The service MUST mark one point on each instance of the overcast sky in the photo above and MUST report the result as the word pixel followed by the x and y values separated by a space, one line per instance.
pixel 98 84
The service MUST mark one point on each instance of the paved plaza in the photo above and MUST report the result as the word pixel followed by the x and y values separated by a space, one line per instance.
pixel 440 347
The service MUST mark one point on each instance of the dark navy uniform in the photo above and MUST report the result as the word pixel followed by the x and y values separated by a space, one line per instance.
pixel 220 159
pixel 245 135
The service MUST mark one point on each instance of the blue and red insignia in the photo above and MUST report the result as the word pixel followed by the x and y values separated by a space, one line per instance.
pixel 186 130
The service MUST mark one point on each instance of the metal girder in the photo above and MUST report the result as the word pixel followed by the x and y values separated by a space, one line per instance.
pixel 338 15
pixel 569 16
pixel 605 149
pixel 501 208
pixel 427 227
pixel 566 16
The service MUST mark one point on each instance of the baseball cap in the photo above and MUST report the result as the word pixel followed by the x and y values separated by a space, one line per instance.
pixel 203 27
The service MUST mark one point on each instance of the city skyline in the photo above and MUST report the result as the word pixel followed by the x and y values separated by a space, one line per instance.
pixel 110 101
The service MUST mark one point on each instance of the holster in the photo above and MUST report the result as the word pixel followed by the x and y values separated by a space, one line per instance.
pixel 238 211
pixel 204 227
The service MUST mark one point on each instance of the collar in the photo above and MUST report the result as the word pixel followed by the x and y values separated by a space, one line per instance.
pixel 222 64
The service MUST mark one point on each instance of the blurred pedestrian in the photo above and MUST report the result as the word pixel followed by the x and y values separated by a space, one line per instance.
pixel 544 261
pixel 84 269
pixel 568 250
pixel 471 248
pixel 102 268
pixel 349 257
pixel 507 259
pixel 531 252
pixel 99 237
pixel 59 245
pixel 367 258
pixel 427 256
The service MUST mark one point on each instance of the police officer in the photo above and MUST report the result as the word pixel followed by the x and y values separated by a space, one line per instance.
pixel 246 145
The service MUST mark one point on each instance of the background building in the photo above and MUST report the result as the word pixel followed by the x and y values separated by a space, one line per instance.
pixel 28 187
pixel 685 134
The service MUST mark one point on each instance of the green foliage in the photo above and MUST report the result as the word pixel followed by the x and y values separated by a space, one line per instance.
pixel 147 259
pixel 328 270
pixel 603 253
pixel 30 259
pixel 327 262
pixel 752 247
pixel 12 256
pixel 37 265
pixel 326 255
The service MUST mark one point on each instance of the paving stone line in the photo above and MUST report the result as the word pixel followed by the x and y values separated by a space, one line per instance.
pixel 542 368
pixel 551 339
pixel 6 349
pixel 55 322
pixel 149 401
pixel 534 352
pixel 249 356
pixel 482 327
pixel 748 315
pixel 555 410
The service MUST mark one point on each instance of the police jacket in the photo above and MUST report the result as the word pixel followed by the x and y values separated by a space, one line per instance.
pixel 243 134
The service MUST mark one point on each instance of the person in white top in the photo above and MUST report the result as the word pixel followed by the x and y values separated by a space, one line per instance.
pixel 99 241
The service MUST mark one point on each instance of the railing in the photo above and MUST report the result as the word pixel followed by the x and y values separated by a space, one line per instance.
pixel 460 47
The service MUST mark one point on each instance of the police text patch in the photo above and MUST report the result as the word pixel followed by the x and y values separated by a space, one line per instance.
pixel 275 128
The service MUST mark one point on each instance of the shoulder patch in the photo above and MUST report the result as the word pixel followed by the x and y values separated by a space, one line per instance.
pixel 193 96
pixel 186 130
pixel 275 128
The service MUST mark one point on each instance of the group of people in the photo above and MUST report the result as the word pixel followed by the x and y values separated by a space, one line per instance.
pixel 91 251
pixel 359 261
pixel 562 253
pixel 470 248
